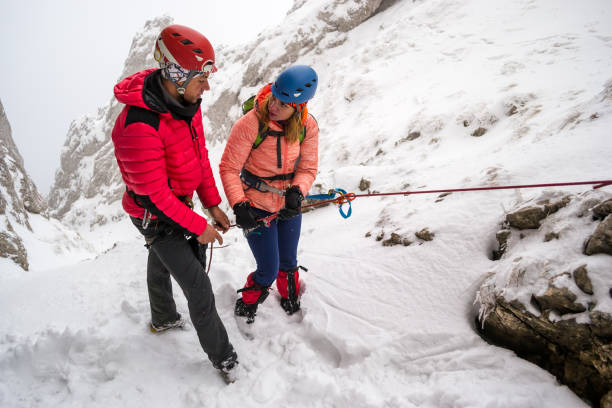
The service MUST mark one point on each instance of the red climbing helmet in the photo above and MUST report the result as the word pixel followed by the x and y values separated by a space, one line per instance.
pixel 185 47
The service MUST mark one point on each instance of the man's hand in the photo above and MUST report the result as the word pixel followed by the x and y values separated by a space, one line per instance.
pixel 221 221
pixel 209 235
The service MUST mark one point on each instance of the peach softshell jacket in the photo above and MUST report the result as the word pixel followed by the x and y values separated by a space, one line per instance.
pixel 239 153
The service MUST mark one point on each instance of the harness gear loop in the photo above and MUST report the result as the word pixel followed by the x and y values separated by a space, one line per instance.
pixel 146 219
pixel 259 184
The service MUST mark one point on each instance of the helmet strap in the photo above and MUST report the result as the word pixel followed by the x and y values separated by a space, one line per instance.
pixel 179 76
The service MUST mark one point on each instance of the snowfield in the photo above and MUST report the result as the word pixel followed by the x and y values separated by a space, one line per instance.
pixel 380 326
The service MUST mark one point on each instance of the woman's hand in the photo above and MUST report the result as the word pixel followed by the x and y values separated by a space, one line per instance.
pixel 246 218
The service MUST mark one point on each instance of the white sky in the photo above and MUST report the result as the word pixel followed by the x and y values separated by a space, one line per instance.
pixel 60 59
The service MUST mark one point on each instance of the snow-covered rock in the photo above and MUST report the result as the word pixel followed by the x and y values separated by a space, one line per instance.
pixel 549 298
pixel 19 198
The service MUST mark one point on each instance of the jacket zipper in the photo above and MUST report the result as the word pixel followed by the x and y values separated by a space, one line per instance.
pixel 194 139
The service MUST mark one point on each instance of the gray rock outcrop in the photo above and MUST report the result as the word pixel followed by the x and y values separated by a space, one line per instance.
pixel 601 240
pixel 252 66
pixel 19 196
pixel 548 312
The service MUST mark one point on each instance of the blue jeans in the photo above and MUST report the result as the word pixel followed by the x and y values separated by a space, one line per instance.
pixel 274 247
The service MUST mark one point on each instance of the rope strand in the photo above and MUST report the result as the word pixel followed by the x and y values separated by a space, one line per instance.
pixel 348 197
pixel 344 198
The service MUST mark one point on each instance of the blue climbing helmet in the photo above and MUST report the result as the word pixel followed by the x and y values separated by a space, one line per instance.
pixel 296 84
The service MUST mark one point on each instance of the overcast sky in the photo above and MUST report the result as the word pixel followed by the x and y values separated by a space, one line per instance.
pixel 61 59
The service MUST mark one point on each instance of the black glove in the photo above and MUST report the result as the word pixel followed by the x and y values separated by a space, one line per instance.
pixel 293 198
pixel 246 217
pixel 288 213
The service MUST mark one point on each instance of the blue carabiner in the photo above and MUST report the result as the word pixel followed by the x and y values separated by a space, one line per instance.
pixel 350 210
pixel 330 196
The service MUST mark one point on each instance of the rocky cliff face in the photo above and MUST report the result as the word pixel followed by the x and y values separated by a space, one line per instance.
pixel 304 33
pixel 18 196
pixel 552 313
pixel 88 178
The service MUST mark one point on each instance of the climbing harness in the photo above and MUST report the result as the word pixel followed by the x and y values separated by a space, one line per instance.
pixel 259 183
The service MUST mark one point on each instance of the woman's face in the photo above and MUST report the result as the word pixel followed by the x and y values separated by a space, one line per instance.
pixel 279 110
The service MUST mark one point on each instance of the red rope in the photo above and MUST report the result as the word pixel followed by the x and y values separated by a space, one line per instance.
pixel 344 198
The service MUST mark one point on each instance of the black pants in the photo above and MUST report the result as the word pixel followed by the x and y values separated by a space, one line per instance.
pixel 171 254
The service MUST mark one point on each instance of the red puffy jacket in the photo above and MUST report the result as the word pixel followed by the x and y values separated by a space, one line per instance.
pixel 161 152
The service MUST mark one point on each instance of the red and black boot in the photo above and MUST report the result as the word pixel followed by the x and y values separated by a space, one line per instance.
pixel 252 295
pixel 288 285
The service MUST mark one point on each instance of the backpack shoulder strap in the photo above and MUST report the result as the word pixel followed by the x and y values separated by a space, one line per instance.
pixel 248 105
pixel 261 136
pixel 303 134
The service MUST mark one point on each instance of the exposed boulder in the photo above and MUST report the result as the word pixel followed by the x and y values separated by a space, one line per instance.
pixel 364 184
pixel 396 239
pixel 479 132
pixel 554 316
pixel 601 240
pixel 425 234
pixel 581 277
pixel 602 210
pixel 561 300
pixel 529 217
pixel 526 218
pixel 573 352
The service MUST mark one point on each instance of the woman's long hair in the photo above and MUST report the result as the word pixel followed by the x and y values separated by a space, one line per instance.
pixel 294 124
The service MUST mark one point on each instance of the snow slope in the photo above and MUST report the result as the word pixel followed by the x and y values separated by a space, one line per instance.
pixel 371 333
pixel 380 326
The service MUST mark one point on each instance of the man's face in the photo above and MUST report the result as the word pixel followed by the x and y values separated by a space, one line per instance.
pixel 196 88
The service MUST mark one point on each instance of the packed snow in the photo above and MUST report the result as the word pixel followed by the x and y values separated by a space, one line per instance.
pixel 379 326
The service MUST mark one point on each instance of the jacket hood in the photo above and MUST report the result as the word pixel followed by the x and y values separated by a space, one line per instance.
pixel 262 95
pixel 144 89
pixel 129 91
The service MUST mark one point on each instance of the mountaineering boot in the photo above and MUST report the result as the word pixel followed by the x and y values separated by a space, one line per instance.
pixel 229 368
pixel 244 310
pixel 288 285
pixel 179 323
pixel 252 295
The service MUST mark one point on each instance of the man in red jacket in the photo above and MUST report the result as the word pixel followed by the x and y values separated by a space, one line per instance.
pixel 161 152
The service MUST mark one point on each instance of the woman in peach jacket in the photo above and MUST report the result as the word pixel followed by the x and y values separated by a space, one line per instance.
pixel 271 176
